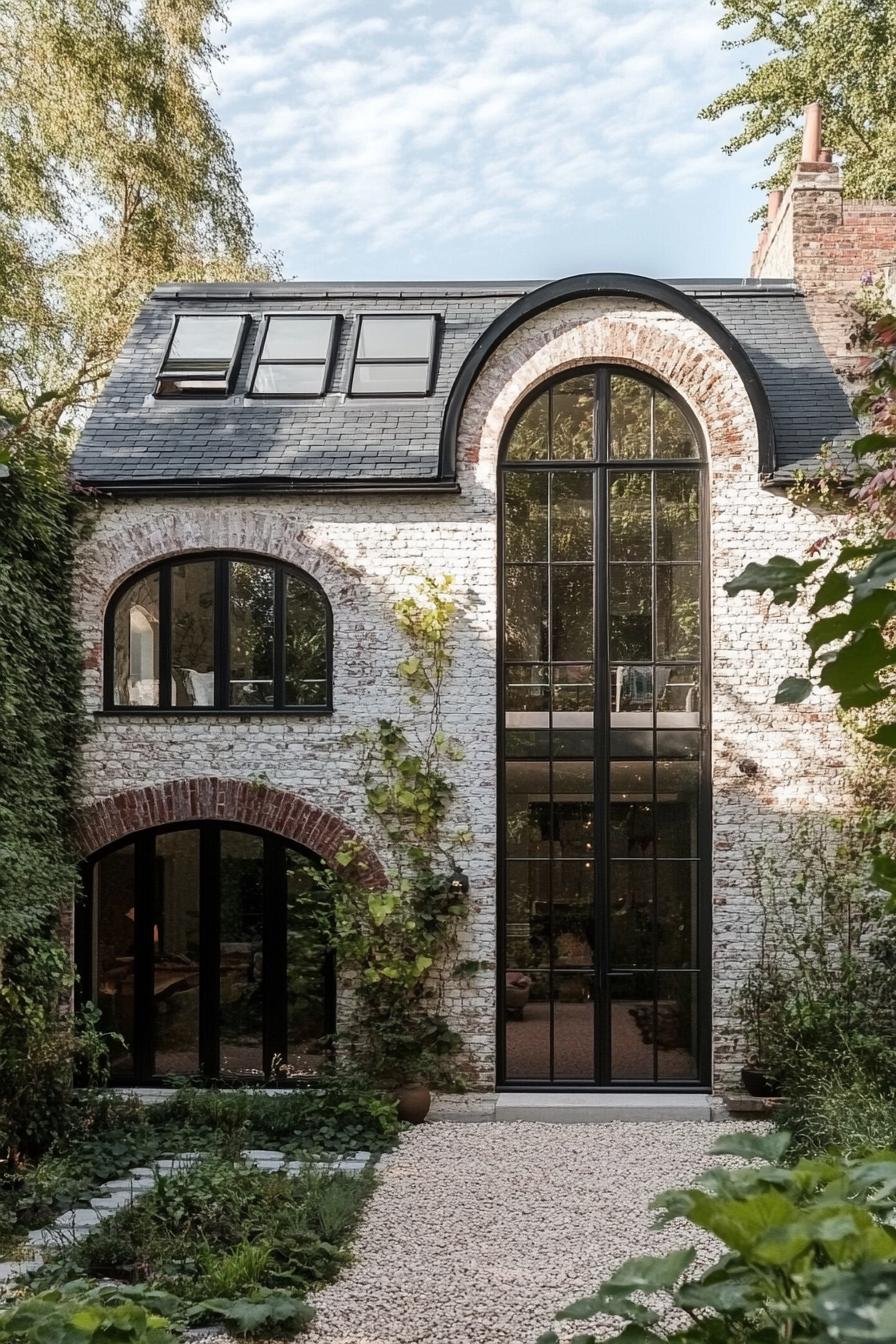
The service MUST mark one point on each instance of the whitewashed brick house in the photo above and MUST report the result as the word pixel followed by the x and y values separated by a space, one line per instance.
pixel 590 459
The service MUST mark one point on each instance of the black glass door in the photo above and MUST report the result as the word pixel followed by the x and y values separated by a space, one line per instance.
pixel 603 732
pixel 205 949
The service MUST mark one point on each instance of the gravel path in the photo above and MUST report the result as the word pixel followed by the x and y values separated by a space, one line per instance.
pixel 479 1233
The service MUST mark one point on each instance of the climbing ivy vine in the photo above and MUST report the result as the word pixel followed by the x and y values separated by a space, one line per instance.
pixel 397 940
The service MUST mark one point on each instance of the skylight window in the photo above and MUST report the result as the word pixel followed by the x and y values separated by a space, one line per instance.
pixel 394 356
pixel 295 355
pixel 202 356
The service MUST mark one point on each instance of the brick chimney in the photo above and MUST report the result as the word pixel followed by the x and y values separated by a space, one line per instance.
pixel 825 243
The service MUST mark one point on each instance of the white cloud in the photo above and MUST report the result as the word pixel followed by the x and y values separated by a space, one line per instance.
pixel 409 127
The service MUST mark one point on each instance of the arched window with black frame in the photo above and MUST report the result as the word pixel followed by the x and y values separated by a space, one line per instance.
pixel 207 949
pixel 603 725
pixel 220 632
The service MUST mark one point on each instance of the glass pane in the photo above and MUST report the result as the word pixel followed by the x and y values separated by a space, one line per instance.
pixel 242 962
pixel 631 691
pixel 573 1026
pixel 677 611
pixel 376 380
pixel 526 613
pixel 677 793
pixel 526 515
pixel 193 632
pixel 632 1027
pixel 630 609
pixel 307 940
pixel 630 515
pixel 526 687
pixel 395 338
pixel 629 417
pixel 305 648
pixel 673 436
pixel 573 791
pixel 251 634
pixel 573 912
pixel 527 934
pixel 572 526
pixel 529 440
pixel 297 338
pixel 631 914
pixel 631 809
pixel 527 1009
pixel 676 1031
pixel 531 742
pixel 136 650
pixel 527 802
pixel 677 515
pixel 678 743
pixel 113 953
pixel 176 977
pixel 572 613
pixel 573 689
pixel 572 425
pixel 289 380
pixel 676 914
pixel 204 342
pixel 677 696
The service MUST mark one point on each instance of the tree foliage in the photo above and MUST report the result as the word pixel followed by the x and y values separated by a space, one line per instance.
pixel 841 53
pixel 115 175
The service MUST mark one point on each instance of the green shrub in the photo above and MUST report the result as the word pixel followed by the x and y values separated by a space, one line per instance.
pixel 837 1105
pixel 809 1257
pixel 78 1316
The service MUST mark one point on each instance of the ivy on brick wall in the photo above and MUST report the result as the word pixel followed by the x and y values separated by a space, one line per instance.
pixel 40 731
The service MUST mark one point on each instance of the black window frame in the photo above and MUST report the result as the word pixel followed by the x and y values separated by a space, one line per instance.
pixel 326 364
pixel 435 320
pixel 222 561
pixel 202 376
pixel 275 1016
pixel 602 464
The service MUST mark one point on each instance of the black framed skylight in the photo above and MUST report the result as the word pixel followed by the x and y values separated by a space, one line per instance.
pixel 294 356
pixel 394 355
pixel 202 355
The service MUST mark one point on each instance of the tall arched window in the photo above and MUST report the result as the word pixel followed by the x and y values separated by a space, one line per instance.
pixel 226 632
pixel 603 731
pixel 205 948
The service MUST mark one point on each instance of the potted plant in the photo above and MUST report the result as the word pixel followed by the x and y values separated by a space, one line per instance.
pixel 756 1000
pixel 409 1055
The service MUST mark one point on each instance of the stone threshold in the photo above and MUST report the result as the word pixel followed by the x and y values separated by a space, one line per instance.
pixel 583 1108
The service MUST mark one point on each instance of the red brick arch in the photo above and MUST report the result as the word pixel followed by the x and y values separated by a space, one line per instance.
pixel 282 813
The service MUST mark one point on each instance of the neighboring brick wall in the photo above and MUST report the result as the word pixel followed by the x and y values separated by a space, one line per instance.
pixel 364 551
pixel 826 243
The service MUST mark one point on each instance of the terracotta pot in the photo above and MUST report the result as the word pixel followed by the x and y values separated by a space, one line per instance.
pixel 757 1084
pixel 414 1101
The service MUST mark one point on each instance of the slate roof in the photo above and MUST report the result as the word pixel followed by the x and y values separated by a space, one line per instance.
pixel 132 441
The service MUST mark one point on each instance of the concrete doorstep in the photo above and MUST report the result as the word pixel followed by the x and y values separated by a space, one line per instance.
pixel 578 1108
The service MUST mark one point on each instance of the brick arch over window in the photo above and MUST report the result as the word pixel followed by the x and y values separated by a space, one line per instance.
pixel 634 332
pixel 286 814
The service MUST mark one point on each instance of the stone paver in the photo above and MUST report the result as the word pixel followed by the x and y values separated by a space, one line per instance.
pixel 480 1232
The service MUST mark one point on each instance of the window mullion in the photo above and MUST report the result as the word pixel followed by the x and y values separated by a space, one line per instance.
pixel 222 632
pixel 279 637
pixel 165 636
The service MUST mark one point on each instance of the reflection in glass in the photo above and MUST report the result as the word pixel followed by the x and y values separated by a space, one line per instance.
pixel 677 785
pixel 528 808
pixel 573 1026
pixel 193 632
pixel 529 442
pixel 631 516
pixel 572 618
pixel 526 516
pixel 631 915
pixel 114 902
pixel 631 809
pixel 630 613
pixel 176 971
pixel 676 911
pixel 632 1026
pixel 676 1027
pixel 673 436
pixel 527 1007
pixel 305 644
pixel 677 515
pixel 526 613
pixel 528 914
pixel 136 643
pixel 630 418
pixel 572 417
pixel 572 525
pixel 289 380
pixel 242 960
pixel 307 939
pixel 251 634
pixel 677 611
pixel 573 809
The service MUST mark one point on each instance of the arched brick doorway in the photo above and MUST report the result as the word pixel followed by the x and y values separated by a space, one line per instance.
pixel 202 938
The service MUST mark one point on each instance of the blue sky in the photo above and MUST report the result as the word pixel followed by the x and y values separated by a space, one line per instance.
pixel 487 139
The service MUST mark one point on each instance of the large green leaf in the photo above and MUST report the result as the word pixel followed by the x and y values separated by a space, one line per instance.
pixel 649 1273
pixel 754 1147
pixel 872 443
pixel 857 663
pixel 793 691
pixel 880 573
pixel 885 735
pixel 727 1296
pixel 858 1306
pixel 833 588
pixel 782 576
